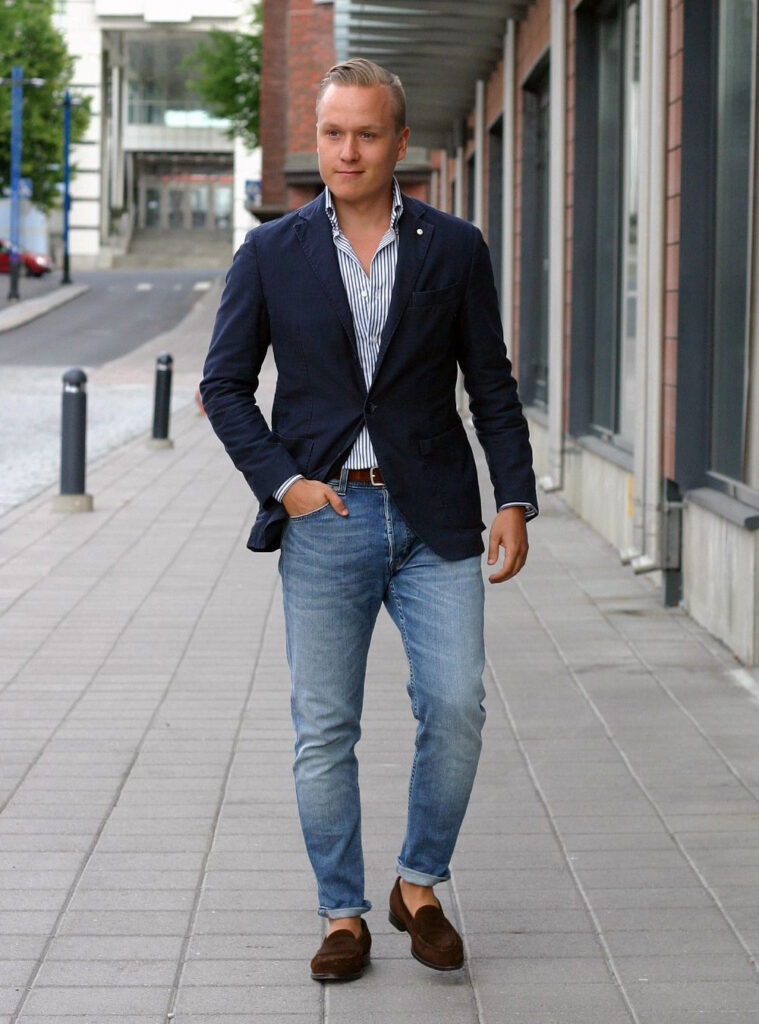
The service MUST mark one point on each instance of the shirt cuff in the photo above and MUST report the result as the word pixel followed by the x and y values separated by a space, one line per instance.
pixel 285 487
pixel 529 510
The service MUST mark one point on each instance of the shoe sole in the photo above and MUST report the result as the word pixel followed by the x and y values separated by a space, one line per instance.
pixel 396 922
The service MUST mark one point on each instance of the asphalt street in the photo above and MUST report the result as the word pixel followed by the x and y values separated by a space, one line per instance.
pixel 111 332
pixel 123 309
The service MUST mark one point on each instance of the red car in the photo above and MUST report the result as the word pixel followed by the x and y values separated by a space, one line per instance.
pixel 34 264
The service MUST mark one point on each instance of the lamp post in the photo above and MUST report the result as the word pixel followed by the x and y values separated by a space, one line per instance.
pixel 68 102
pixel 66 279
pixel 17 83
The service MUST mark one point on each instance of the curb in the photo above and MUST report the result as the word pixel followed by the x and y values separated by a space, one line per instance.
pixel 30 309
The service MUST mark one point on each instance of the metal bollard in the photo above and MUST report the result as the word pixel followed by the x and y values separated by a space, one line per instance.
pixel 73 444
pixel 162 404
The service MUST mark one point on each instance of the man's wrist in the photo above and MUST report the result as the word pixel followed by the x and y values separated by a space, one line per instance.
pixel 529 509
pixel 282 490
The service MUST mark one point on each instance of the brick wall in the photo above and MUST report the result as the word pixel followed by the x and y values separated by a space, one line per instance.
pixel 672 240
pixel 273 102
pixel 311 53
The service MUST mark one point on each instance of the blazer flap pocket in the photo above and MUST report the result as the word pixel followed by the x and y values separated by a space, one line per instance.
pixel 446 439
pixel 298 447
pixel 436 297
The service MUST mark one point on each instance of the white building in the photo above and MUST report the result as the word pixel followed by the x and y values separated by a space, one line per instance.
pixel 152 157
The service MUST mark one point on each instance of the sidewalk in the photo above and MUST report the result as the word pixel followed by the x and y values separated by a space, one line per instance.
pixel 39 298
pixel 151 865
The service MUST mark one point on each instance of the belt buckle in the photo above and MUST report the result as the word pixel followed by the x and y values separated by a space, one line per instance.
pixel 372 481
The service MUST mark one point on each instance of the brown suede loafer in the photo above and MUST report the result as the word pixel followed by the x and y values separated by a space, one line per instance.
pixel 342 957
pixel 434 941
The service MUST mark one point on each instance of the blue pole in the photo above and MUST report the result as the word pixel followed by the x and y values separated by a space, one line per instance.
pixel 17 101
pixel 66 279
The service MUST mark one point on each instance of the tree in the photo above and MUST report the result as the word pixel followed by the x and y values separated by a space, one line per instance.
pixel 226 74
pixel 29 38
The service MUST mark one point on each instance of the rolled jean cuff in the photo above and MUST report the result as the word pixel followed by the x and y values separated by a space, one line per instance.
pixel 334 913
pixel 419 877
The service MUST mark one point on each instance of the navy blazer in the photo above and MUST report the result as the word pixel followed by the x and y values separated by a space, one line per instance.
pixel 284 289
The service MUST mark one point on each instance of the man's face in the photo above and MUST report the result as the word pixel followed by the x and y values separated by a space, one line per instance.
pixel 358 142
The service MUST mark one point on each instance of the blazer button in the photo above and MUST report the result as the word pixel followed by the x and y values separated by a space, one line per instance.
pixel 371 407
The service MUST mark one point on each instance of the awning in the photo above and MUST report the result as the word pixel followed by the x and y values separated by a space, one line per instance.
pixel 438 48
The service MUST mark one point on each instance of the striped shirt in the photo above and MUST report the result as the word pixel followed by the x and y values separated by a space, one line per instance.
pixel 369 301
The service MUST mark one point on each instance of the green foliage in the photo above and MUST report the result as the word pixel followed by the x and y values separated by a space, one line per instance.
pixel 29 38
pixel 226 74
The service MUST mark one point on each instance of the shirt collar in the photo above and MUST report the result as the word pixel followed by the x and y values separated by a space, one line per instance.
pixel 394 217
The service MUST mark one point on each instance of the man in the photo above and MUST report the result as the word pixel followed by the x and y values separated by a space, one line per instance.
pixel 371 301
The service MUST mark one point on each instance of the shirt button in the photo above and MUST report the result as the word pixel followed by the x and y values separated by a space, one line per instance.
pixel 363 295
pixel 374 339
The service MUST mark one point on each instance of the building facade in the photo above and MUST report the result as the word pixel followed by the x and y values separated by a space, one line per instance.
pixel 298 47
pixel 153 157
pixel 607 150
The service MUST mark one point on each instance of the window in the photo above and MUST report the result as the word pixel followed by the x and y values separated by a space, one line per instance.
pixel 159 91
pixel 718 337
pixel 534 256
pixel 605 291
pixel 732 194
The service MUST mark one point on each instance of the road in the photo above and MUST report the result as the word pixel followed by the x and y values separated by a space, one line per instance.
pixel 123 309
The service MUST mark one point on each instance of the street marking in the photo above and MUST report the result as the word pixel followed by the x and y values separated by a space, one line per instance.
pixel 144 286
pixel 201 286
pixel 747 681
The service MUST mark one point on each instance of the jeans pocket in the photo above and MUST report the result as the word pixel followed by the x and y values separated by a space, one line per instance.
pixel 308 515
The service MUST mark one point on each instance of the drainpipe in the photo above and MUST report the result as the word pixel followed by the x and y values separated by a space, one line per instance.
pixel 479 153
pixel 554 479
pixel 507 213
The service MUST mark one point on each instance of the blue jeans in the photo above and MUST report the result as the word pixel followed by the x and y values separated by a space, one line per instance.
pixel 336 572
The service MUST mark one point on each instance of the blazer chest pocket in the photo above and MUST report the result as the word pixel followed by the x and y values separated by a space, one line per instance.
pixel 437 297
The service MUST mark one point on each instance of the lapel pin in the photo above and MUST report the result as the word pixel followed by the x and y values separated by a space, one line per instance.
pixel 419 231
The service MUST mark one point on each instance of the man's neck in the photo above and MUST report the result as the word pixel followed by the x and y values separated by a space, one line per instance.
pixel 371 215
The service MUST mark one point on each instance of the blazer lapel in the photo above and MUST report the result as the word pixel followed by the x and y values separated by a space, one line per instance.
pixel 414 237
pixel 315 235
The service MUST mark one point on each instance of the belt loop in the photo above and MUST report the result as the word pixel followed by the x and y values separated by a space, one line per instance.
pixel 343 485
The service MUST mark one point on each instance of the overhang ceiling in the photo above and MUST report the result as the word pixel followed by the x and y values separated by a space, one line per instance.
pixel 438 48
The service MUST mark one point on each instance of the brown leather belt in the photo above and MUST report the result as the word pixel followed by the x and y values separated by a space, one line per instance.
pixel 366 476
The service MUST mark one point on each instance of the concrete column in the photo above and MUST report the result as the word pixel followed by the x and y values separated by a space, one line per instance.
pixel 650 315
pixel 444 181
pixel 458 206
pixel 479 154
pixel 507 215
pixel 656 273
pixel 435 189
pixel 116 144
pixel 556 289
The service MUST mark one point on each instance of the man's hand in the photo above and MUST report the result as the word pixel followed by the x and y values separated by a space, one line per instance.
pixel 307 495
pixel 509 531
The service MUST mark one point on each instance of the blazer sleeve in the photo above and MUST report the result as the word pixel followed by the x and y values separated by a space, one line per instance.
pixel 493 400
pixel 239 344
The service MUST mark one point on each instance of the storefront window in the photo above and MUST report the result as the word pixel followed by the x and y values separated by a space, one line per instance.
pixel 616 227
pixel 733 169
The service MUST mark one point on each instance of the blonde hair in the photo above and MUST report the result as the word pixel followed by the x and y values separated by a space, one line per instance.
pixel 363 72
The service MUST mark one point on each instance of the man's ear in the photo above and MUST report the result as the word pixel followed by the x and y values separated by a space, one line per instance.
pixel 403 142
